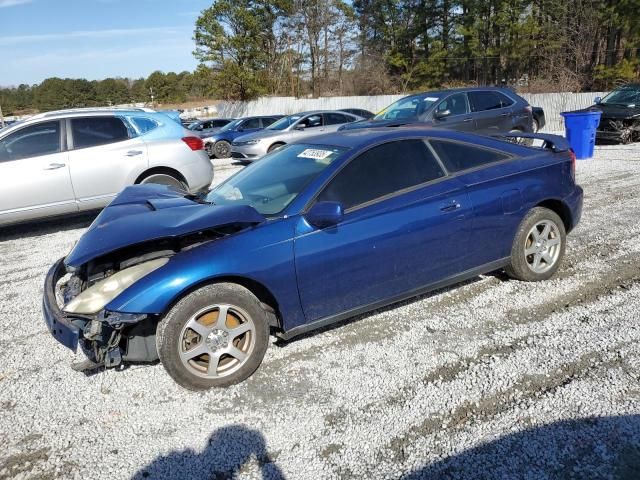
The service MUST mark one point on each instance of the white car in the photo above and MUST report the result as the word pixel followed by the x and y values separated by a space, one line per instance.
pixel 66 162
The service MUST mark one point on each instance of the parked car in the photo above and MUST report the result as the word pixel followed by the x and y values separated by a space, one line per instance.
pixel 318 231
pixel 483 110
pixel 539 120
pixel 620 121
pixel 288 129
pixel 366 114
pixel 219 144
pixel 206 128
pixel 67 162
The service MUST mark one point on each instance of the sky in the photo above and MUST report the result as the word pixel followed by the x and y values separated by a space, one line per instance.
pixel 95 39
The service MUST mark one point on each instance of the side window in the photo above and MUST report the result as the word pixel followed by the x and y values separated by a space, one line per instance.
pixel 143 124
pixel 456 104
pixel 383 170
pixel 506 101
pixel 459 156
pixel 218 123
pixel 311 121
pixel 334 118
pixel 268 121
pixel 251 123
pixel 32 141
pixel 94 131
pixel 481 101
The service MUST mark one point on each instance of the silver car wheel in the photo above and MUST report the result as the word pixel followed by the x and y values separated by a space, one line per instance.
pixel 543 246
pixel 164 179
pixel 217 341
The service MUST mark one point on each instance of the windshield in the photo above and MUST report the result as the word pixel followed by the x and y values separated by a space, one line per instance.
pixel 272 183
pixel 284 122
pixel 626 96
pixel 408 108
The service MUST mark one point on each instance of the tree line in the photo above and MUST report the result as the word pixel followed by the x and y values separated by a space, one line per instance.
pixel 249 48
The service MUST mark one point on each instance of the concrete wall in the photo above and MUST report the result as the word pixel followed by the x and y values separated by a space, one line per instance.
pixel 552 103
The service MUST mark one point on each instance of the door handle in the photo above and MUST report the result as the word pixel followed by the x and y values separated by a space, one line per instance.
pixel 133 153
pixel 55 166
pixel 507 114
pixel 451 207
pixel 466 120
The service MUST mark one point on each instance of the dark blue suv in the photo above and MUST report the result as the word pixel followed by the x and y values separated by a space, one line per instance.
pixel 484 110
pixel 312 234
pixel 218 145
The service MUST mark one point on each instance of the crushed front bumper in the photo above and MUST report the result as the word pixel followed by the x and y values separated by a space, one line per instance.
pixel 60 325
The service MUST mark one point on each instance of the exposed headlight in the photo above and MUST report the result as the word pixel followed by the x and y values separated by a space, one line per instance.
pixel 94 298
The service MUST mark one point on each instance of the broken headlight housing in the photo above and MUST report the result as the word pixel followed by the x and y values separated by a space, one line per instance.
pixel 98 295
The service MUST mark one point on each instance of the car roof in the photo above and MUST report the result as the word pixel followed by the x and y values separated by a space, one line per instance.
pixel 313 112
pixel 463 89
pixel 363 137
pixel 76 112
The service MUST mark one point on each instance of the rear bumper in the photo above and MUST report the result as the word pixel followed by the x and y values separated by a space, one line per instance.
pixel 574 202
pixel 59 324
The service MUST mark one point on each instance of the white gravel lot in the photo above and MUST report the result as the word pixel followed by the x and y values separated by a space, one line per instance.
pixel 491 379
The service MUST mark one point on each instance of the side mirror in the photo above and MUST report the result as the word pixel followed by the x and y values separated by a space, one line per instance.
pixel 597 100
pixel 325 214
pixel 442 114
pixel 299 127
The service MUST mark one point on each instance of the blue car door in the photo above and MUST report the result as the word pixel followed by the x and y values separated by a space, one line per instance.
pixel 496 187
pixel 404 228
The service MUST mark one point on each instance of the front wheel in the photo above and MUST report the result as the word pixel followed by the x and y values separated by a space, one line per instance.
pixel 214 337
pixel 538 246
pixel 222 149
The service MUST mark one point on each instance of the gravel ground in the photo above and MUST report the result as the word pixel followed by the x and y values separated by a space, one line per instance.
pixel 490 379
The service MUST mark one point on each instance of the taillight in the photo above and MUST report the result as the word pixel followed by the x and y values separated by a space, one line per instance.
pixel 194 143
pixel 572 154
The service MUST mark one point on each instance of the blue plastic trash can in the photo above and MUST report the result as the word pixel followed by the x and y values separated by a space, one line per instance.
pixel 580 130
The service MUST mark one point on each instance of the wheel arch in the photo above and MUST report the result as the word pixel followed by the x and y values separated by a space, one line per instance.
pixel 279 143
pixel 561 209
pixel 262 293
pixel 158 170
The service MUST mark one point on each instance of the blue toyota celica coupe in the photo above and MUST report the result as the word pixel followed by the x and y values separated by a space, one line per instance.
pixel 314 233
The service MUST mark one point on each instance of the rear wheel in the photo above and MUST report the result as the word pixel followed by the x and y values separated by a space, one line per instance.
pixel 222 149
pixel 165 178
pixel 538 246
pixel 214 337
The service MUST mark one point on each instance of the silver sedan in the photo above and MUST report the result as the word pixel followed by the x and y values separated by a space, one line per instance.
pixel 288 129
pixel 66 162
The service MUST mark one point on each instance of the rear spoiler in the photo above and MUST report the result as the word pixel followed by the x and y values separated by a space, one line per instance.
pixel 555 143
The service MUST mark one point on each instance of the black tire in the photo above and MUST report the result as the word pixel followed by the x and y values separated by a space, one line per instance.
pixel 274 146
pixel 173 330
pixel 522 265
pixel 221 149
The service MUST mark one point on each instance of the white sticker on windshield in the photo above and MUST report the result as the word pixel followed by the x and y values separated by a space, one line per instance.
pixel 431 99
pixel 315 154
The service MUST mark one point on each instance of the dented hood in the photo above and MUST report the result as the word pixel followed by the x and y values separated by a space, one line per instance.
pixel 143 213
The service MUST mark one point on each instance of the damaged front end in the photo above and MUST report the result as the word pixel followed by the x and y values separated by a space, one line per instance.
pixel 619 130
pixel 132 238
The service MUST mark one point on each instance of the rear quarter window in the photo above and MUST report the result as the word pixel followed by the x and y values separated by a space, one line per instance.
pixel 143 125
pixel 457 157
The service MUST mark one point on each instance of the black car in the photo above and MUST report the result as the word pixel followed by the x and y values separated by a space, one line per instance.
pixel 483 110
pixel 366 114
pixel 620 121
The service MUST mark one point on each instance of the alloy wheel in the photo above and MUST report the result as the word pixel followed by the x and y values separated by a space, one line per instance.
pixel 543 246
pixel 217 341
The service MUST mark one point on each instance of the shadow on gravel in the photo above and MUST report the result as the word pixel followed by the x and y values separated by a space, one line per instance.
pixel 589 448
pixel 227 451
pixel 46 227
